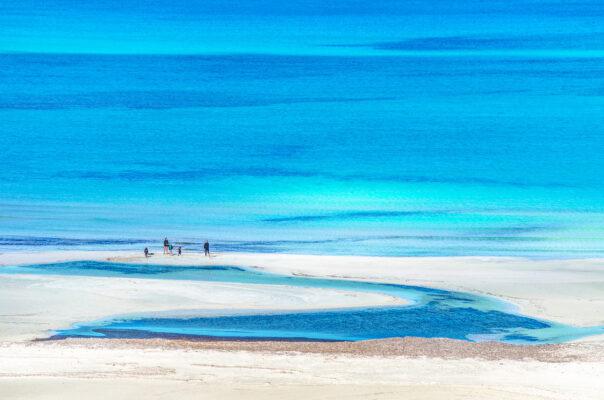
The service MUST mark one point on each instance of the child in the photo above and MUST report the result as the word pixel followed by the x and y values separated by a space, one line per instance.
pixel 170 248
pixel 179 250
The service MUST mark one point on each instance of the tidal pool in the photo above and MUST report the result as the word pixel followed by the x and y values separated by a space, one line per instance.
pixel 431 313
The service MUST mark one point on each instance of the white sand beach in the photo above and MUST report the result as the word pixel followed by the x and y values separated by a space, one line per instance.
pixel 32 304
pixel 568 291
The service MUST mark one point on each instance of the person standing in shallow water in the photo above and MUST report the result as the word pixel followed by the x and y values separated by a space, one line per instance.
pixel 206 248
pixel 146 252
pixel 166 244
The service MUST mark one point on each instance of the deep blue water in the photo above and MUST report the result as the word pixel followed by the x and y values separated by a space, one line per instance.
pixel 432 313
pixel 345 127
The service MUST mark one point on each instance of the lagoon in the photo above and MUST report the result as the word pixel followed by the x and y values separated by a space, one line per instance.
pixel 432 312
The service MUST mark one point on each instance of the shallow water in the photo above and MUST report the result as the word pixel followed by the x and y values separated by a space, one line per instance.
pixel 343 127
pixel 432 313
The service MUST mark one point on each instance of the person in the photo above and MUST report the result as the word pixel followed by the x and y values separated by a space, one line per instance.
pixel 206 248
pixel 170 248
pixel 179 250
pixel 166 243
pixel 146 252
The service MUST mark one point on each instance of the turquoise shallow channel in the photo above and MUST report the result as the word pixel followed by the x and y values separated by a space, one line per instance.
pixel 432 312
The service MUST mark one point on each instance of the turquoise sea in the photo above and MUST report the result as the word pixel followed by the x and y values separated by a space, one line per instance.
pixel 343 127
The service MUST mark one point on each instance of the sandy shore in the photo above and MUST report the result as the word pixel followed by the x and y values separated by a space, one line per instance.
pixel 34 304
pixel 569 291
pixel 386 369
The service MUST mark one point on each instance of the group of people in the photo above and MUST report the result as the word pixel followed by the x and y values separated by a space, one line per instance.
pixel 168 247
